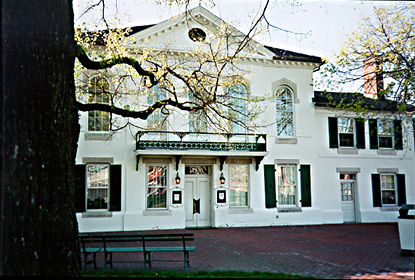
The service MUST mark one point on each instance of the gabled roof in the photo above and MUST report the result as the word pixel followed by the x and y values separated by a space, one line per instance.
pixel 213 20
pixel 349 100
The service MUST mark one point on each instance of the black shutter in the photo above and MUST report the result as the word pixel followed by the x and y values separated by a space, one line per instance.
pixel 333 136
pixel 115 188
pixel 376 190
pixel 305 175
pixel 270 195
pixel 397 127
pixel 360 134
pixel 80 188
pixel 401 189
pixel 373 134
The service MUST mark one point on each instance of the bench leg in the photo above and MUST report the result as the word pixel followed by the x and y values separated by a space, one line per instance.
pixel 147 260
pixel 186 260
pixel 95 260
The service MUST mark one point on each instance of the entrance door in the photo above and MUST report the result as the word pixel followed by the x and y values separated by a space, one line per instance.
pixel 197 196
pixel 348 197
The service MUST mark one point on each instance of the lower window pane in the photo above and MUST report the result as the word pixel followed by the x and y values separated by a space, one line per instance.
pixel 388 197
pixel 346 140
pixel 238 196
pixel 286 195
pixel 385 142
pixel 156 198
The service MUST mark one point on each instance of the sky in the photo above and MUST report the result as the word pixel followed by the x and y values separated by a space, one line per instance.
pixel 315 27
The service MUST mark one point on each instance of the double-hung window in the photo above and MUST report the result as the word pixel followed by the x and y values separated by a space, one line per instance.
pixel 385 133
pixel 98 92
pixel 239 178
pixel 97 186
pixel 346 132
pixel 388 189
pixel 198 123
pixel 285 111
pixel 287 184
pixel 156 187
pixel 157 120
pixel 237 108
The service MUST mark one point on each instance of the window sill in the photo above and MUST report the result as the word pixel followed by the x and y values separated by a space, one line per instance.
pixel 289 209
pixel 157 212
pixel 389 208
pixel 98 136
pixel 240 211
pixel 285 140
pixel 387 152
pixel 97 214
pixel 347 151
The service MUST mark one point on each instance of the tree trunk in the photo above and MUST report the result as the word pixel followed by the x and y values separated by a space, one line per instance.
pixel 39 139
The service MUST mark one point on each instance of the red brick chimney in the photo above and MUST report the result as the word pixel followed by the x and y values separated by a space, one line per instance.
pixel 373 78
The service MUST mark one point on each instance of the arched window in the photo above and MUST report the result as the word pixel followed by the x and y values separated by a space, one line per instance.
pixel 157 120
pixel 197 121
pixel 237 107
pixel 285 111
pixel 98 92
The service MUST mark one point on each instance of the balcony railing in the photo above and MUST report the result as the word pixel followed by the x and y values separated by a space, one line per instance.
pixel 175 140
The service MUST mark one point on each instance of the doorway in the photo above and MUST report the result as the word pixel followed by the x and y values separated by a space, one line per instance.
pixel 348 197
pixel 197 196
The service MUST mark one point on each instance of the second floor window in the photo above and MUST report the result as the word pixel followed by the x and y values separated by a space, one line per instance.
pixel 157 121
pixel 346 132
pixel 238 101
pixel 385 133
pixel 285 111
pixel 98 92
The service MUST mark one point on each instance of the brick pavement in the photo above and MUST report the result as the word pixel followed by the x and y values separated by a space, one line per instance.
pixel 348 251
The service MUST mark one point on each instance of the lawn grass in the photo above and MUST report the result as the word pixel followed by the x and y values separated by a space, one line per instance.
pixel 199 274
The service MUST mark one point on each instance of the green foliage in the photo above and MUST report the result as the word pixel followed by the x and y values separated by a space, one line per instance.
pixel 387 39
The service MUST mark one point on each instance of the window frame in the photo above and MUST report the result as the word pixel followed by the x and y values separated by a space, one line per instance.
pixel 296 184
pixel 353 133
pixel 292 111
pixel 238 97
pixel 386 135
pixel 87 187
pixel 101 115
pixel 238 175
pixel 165 187
pixel 394 189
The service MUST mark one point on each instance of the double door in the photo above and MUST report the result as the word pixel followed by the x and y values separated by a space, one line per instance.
pixel 197 200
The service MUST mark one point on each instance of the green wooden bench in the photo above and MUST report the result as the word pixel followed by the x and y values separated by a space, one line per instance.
pixel 127 243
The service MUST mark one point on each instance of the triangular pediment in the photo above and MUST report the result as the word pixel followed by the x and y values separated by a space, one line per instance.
pixel 175 34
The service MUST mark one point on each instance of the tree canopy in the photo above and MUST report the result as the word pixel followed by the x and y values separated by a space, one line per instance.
pixel 379 55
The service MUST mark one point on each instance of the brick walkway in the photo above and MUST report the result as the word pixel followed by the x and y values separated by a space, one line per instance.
pixel 349 251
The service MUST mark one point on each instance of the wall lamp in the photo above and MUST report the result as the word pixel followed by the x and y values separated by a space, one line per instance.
pixel 177 179
pixel 221 179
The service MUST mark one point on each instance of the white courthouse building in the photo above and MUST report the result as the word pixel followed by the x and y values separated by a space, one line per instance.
pixel 323 166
